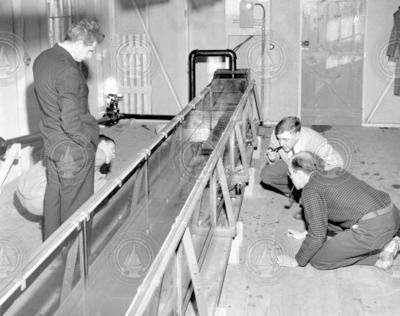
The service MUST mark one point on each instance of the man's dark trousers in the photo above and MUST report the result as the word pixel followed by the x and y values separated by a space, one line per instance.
pixel 361 244
pixel 70 182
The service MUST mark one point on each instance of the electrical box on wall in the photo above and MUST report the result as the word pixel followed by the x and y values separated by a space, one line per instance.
pixel 244 18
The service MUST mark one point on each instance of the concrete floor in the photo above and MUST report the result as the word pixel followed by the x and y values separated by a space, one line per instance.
pixel 257 286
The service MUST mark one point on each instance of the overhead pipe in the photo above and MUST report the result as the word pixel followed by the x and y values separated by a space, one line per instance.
pixel 194 54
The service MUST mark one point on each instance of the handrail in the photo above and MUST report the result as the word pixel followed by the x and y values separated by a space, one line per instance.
pixel 175 235
pixel 89 208
pixel 77 221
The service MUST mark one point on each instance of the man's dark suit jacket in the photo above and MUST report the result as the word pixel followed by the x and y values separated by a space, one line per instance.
pixel 62 93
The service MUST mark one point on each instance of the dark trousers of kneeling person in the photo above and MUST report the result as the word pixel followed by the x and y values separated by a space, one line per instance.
pixel 70 182
pixel 275 177
pixel 361 243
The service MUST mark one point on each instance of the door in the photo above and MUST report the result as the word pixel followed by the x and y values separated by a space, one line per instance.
pixel 332 61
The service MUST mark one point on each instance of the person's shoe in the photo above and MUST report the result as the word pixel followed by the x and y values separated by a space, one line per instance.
pixel 388 253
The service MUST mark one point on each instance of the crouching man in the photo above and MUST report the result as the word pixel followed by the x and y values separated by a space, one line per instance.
pixel 368 218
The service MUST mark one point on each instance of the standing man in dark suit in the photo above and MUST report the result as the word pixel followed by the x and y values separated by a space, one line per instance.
pixel 70 133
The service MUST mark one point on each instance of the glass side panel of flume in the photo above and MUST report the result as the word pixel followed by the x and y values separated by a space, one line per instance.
pixel 129 230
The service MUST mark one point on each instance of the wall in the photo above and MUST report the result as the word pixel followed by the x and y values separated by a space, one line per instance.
pixel 377 86
pixel 282 64
pixel 285 26
pixel 176 27
pixel 169 73
pixel 170 29
pixel 206 31
pixel 22 36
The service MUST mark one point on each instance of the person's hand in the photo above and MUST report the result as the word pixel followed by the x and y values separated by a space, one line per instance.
pixel 296 234
pixel 286 261
pixel 272 155
pixel 108 150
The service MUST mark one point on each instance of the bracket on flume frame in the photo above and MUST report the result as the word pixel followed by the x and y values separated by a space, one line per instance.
pixel 113 115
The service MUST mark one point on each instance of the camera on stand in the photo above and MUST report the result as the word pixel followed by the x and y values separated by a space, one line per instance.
pixel 112 115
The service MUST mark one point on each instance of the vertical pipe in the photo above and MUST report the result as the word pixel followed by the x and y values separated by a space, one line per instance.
pixel 187 25
pixel 192 74
pixel 263 75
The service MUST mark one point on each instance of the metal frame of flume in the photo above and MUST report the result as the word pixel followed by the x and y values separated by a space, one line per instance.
pixel 178 240
pixel 179 236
